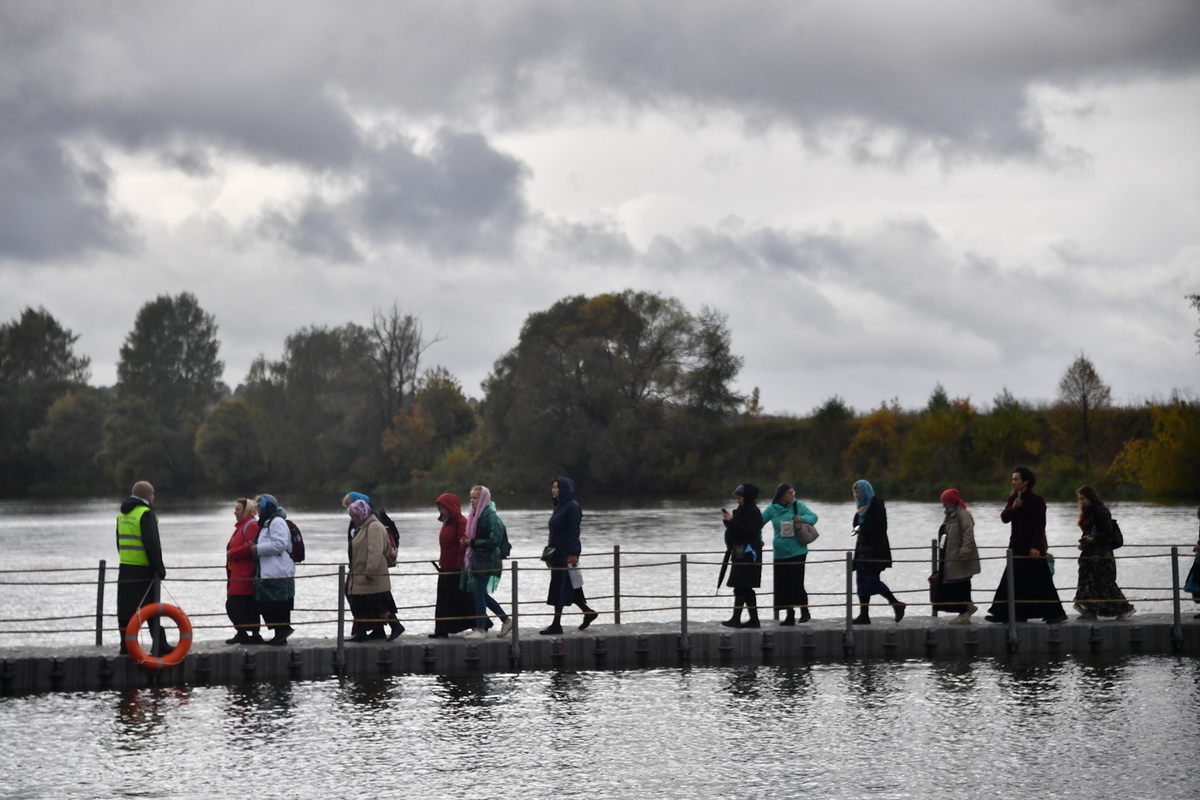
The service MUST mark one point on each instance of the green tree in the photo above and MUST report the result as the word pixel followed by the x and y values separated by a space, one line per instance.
pixel 228 447
pixel 319 423
pixel 437 420
pixel 938 446
pixel 874 451
pixel 1007 436
pixel 168 377
pixel 1167 465
pixel 170 358
pixel 37 366
pixel 72 438
pixel 609 389
pixel 1083 396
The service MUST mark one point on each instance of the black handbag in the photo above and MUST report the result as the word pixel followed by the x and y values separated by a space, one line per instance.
pixel 548 553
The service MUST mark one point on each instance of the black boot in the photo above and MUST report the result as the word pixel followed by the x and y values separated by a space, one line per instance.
pixel 241 637
pixel 397 629
pixel 790 619
pixel 804 615
pixel 736 620
pixel 359 637
pixel 752 622
pixel 864 615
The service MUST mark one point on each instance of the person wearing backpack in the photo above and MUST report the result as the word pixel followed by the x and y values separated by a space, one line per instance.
pixel 369 587
pixel 275 587
pixel 483 563
pixel 390 552
pixel 239 571
pixel 1097 593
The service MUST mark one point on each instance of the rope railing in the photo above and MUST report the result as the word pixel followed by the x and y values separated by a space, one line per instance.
pixel 684 601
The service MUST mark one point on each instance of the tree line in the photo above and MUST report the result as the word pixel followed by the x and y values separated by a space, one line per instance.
pixel 631 394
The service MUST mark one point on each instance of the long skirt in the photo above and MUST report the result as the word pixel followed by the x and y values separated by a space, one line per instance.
pixel 454 603
pixel 789 582
pixel 372 611
pixel 1036 597
pixel 275 598
pixel 953 597
pixel 1098 582
pixel 561 592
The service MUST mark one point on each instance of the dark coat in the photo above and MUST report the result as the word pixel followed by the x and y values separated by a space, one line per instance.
pixel 565 522
pixel 1028 523
pixel 871 546
pixel 745 529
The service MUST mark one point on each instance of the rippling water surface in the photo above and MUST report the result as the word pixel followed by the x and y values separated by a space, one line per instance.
pixel 1064 729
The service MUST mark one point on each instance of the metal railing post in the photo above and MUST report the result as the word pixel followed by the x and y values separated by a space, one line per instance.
pixel 340 661
pixel 1177 627
pixel 1012 599
pixel 515 613
pixel 683 602
pixel 100 605
pixel 933 557
pixel 155 623
pixel 849 642
pixel 616 584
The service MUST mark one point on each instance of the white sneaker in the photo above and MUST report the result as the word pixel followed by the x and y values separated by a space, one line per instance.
pixel 506 628
pixel 474 634
pixel 1127 614
pixel 962 619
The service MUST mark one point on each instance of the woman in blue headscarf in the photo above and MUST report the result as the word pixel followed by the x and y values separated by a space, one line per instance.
pixel 872 552
pixel 562 554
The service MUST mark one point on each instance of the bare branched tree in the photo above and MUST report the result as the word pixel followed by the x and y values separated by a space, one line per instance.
pixel 1082 390
pixel 400 342
pixel 1194 299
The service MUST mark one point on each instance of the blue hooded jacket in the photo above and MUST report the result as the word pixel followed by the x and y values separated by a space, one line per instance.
pixel 565 521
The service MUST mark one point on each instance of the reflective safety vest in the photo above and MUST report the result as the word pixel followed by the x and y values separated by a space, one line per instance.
pixel 129 537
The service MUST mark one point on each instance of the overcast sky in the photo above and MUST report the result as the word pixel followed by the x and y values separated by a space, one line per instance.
pixel 880 195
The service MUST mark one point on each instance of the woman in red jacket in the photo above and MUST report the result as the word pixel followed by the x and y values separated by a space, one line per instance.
pixel 239 569
pixel 455 608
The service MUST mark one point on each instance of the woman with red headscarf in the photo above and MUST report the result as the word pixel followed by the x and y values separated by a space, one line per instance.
pixel 455 610
pixel 958 561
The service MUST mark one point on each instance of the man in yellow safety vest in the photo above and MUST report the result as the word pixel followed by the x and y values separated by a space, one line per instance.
pixel 140 552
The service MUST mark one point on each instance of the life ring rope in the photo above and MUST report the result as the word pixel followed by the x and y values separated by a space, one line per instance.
pixel 147 612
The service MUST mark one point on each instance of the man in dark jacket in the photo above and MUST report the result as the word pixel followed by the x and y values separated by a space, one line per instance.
pixel 140 553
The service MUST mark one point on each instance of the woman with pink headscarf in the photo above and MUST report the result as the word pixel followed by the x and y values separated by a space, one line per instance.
pixel 959 560
pixel 369 587
pixel 483 562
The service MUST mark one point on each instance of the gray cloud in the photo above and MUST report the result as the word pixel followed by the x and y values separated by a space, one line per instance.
pixel 281 83
pixel 464 197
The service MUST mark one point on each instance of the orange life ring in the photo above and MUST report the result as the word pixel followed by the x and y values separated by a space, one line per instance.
pixel 134 648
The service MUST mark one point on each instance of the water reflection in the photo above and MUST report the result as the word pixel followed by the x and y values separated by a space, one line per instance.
pixel 142 714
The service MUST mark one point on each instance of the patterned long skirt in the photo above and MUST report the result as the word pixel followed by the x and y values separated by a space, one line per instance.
pixel 1098 591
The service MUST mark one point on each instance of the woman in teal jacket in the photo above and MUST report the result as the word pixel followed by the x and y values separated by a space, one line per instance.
pixel 790 553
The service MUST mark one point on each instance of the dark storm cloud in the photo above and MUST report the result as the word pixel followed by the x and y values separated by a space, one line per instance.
pixel 281 83
pixel 464 197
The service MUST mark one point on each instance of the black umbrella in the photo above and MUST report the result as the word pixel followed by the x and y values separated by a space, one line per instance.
pixel 724 569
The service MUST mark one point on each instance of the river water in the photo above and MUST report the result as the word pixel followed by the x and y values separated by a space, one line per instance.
pixel 915 729
pixel 1064 728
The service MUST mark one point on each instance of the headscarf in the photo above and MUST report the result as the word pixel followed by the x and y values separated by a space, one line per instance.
pixel 866 493
pixel 360 510
pixel 358 496
pixel 268 507
pixel 780 491
pixel 952 496
pixel 485 499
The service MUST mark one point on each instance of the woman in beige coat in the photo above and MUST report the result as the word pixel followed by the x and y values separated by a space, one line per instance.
pixel 368 586
pixel 959 560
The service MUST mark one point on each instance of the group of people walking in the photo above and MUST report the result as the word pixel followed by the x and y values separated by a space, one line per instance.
pixel 260 568
pixel 1097 594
